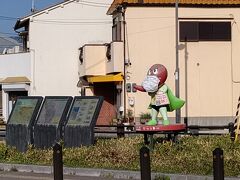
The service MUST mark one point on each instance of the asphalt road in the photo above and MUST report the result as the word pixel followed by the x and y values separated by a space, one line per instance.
pixel 5 175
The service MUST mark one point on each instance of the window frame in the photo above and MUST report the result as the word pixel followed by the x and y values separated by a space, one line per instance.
pixel 205 31
pixel 117 29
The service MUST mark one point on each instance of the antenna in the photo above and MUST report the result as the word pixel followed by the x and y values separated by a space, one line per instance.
pixel 33 6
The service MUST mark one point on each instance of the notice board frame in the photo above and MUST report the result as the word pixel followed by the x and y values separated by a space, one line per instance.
pixel 20 135
pixel 77 131
pixel 55 130
pixel 97 109
pixel 65 111
pixel 35 111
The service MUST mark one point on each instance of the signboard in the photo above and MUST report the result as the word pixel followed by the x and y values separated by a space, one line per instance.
pixel 82 112
pixel 19 129
pixel 52 116
pixel 52 110
pixel 79 128
pixel 24 109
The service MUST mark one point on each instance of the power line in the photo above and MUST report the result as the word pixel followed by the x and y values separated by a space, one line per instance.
pixel 91 4
pixel 151 30
pixel 9 45
pixel 72 22
pixel 96 3
pixel 8 33
pixel 78 22
pixel 8 18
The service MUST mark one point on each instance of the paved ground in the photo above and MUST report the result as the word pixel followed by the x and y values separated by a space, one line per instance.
pixel 34 172
pixel 10 175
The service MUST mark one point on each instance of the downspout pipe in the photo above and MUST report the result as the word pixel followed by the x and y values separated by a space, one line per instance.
pixel 177 88
pixel 124 59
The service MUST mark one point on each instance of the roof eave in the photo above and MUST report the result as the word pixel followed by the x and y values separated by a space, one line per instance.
pixel 118 3
pixel 22 22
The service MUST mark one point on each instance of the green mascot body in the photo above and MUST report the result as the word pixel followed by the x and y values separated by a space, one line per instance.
pixel 162 98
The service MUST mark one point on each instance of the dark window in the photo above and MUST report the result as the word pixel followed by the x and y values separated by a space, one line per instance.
pixel 81 55
pixel 205 31
pixel 108 53
pixel 116 30
pixel 189 31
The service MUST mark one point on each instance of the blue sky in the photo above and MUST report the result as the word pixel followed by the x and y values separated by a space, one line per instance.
pixel 10 10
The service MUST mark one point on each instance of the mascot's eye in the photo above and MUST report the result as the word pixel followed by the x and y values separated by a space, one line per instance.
pixel 155 71
pixel 149 72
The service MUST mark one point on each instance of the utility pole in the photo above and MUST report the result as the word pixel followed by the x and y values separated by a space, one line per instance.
pixel 178 112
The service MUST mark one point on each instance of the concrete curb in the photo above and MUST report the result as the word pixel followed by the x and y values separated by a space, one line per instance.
pixel 114 174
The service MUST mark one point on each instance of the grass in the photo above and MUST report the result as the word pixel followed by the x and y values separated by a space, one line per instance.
pixel 191 155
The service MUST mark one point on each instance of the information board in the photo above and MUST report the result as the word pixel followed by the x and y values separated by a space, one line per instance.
pixel 24 109
pixel 19 129
pixel 84 110
pixel 52 110
pixel 79 127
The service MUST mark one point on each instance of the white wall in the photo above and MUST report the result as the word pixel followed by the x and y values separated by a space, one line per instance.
pixel 12 65
pixel 55 37
pixel 15 65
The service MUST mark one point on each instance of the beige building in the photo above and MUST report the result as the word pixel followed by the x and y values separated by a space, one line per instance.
pixel 144 33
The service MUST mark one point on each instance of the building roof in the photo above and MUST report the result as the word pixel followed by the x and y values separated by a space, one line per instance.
pixel 218 3
pixel 25 20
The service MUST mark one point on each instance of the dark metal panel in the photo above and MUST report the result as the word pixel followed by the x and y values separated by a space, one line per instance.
pixel 17 136
pixel 44 136
pixel 79 129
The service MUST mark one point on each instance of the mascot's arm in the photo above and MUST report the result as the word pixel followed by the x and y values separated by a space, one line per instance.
pixel 139 88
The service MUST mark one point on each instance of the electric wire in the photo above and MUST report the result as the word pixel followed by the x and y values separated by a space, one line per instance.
pixel 91 5
pixel 72 23
pixel 8 18
pixel 7 33
pixel 151 30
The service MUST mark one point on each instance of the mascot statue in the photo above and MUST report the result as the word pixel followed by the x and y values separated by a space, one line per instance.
pixel 162 98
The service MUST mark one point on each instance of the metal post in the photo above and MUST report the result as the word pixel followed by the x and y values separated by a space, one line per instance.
pixel 186 123
pixel 231 130
pixel 145 163
pixel 57 162
pixel 218 165
pixel 146 140
pixel 177 93
pixel 120 130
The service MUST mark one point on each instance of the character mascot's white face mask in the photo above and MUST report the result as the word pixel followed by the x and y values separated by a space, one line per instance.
pixel 151 83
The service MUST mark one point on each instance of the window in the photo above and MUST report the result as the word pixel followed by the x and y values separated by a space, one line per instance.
pixel 81 55
pixel 108 53
pixel 116 29
pixel 191 31
pixel 24 37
